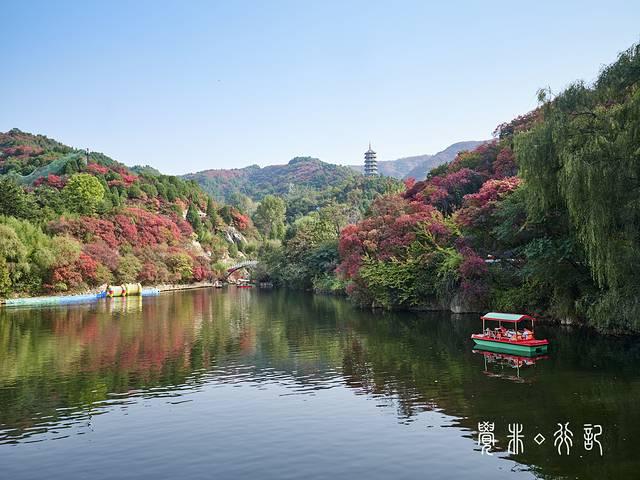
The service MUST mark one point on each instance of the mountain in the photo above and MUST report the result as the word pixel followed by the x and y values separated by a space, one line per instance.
pixel 395 168
pixel 419 165
pixel 256 182
pixel 419 172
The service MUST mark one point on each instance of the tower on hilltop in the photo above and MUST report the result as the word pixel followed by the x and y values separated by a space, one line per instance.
pixel 370 163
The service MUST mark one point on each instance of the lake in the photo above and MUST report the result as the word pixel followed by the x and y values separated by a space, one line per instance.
pixel 243 383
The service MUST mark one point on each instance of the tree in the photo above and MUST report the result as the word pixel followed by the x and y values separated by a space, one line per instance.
pixel 13 253
pixel 212 213
pixel 181 266
pixel 83 193
pixel 270 216
pixel 5 279
pixel 193 217
pixel 128 268
pixel 14 201
pixel 580 163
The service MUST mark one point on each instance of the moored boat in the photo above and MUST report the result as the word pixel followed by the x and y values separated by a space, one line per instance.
pixel 509 340
pixel 244 283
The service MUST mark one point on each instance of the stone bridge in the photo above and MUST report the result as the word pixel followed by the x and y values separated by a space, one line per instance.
pixel 238 266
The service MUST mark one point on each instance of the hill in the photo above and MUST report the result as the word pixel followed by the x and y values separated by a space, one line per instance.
pixel 418 166
pixel 305 184
pixel 256 182
pixel 419 172
pixel 72 219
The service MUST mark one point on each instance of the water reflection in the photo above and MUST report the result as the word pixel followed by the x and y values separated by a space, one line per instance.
pixel 502 365
pixel 62 367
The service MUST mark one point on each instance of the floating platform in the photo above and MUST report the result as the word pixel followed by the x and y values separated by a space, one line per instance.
pixel 53 300
pixel 70 299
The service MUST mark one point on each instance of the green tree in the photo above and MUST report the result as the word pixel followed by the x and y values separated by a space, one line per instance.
pixel 212 213
pixel 14 201
pixel 128 268
pixel 193 217
pixel 5 279
pixel 581 164
pixel 270 216
pixel 83 193
pixel 13 253
pixel 181 266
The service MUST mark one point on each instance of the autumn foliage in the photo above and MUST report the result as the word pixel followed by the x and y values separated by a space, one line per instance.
pixel 92 220
pixel 419 237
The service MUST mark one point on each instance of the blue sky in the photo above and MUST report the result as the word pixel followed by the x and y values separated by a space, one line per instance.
pixel 186 86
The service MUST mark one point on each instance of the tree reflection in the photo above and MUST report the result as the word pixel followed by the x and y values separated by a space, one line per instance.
pixel 60 363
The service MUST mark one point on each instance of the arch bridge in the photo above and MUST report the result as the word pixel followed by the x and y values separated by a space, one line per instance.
pixel 240 265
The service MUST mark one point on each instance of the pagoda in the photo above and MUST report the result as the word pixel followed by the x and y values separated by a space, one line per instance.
pixel 370 163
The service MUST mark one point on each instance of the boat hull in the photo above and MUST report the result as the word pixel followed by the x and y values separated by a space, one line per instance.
pixel 511 347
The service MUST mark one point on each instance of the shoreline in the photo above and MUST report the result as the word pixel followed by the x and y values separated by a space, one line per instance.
pixel 165 287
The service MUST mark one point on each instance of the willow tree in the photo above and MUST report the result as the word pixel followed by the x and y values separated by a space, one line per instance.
pixel 582 160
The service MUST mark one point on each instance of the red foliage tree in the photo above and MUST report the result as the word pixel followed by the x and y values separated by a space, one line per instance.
pixel 240 221
pixel 387 232
pixel 52 180
pixel 473 273
pixel 97 169
pixel 67 275
pixel 477 207
pixel 103 253
pixel 153 228
pixel 505 164
pixel 87 267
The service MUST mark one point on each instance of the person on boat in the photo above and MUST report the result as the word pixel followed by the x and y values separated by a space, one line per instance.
pixel 527 334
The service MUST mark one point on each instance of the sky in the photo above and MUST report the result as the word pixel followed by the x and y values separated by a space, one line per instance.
pixel 188 86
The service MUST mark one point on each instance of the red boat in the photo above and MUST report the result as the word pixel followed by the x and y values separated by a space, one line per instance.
pixel 512 340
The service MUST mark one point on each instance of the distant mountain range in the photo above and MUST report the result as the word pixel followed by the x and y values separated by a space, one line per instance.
pixel 419 165
pixel 313 174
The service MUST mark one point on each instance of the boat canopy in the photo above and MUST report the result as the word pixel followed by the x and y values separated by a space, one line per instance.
pixel 507 317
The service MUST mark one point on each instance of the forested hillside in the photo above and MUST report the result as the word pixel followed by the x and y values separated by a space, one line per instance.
pixel 256 182
pixel 71 219
pixel 305 184
pixel 545 219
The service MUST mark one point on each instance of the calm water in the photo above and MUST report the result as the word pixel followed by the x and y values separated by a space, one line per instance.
pixel 248 384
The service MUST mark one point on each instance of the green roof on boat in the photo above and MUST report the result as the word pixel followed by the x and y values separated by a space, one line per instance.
pixel 506 317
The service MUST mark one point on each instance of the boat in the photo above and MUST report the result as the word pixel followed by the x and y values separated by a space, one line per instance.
pixel 512 340
pixel 244 283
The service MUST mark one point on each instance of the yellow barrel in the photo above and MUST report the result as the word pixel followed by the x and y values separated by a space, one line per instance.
pixel 116 291
pixel 133 289
pixel 124 290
